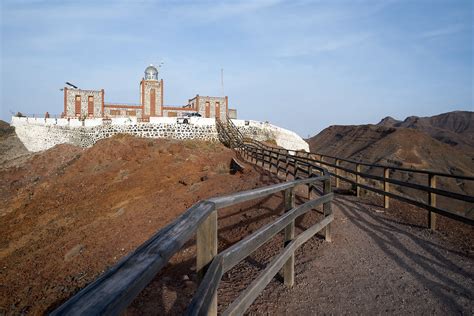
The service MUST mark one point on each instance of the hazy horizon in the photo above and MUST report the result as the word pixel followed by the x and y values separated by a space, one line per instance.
pixel 302 65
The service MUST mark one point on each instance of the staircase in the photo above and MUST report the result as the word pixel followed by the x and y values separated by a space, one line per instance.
pixel 228 133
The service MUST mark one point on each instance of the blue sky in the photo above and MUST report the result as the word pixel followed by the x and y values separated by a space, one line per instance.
pixel 303 65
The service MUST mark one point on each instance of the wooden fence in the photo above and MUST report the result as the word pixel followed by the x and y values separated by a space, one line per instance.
pixel 280 160
pixel 112 292
pixel 115 289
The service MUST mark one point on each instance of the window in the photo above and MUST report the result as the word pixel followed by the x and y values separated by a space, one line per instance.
pixel 77 106
pixel 131 113
pixel 208 109
pixel 217 110
pixel 90 105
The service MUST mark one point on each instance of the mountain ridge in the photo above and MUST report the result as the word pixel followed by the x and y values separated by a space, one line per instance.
pixel 443 142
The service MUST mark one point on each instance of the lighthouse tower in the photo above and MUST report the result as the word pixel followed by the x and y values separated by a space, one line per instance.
pixel 151 93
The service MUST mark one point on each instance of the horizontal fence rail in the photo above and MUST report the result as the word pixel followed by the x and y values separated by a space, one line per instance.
pixel 271 156
pixel 115 289
pixel 112 292
pixel 204 302
pixel 430 172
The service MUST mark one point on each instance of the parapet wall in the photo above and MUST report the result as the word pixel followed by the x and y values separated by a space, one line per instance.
pixel 40 134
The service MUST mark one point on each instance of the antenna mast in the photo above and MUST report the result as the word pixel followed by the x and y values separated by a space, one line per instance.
pixel 222 81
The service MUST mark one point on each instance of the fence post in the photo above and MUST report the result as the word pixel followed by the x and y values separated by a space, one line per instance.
pixel 279 156
pixel 357 180
pixel 432 202
pixel 278 163
pixel 271 161
pixel 289 267
pixel 259 156
pixel 206 240
pixel 310 185
pixel 337 173
pixel 295 168
pixel 265 156
pixel 386 187
pixel 327 207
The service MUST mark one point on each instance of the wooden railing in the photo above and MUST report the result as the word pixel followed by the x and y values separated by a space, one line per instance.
pixel 112 292
pixel 228 133
pixel 205 299
pixel 311 160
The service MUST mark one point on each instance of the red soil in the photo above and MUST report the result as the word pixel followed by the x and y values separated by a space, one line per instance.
pixel 68 214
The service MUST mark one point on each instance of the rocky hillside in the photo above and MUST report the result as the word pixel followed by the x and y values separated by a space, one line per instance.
pixel 453 128
pixel 68 213
pixel 443 142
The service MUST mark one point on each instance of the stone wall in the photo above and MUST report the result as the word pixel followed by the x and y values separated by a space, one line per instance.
pixel 41 134
pixel 38 135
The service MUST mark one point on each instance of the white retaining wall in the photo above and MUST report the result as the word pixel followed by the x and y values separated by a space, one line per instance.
pixel 40 134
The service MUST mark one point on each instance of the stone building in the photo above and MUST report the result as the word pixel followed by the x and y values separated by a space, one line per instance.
pixel 90 103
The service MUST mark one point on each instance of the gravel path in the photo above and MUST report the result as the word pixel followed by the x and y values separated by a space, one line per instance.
pixel 375 265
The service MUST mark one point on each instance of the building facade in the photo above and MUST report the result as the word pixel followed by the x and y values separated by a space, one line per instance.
pixel 90 103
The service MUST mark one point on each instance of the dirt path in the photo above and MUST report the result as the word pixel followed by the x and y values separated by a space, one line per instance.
pixel 375 265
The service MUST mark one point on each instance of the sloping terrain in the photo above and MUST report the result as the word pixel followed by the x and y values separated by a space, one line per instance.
pixel 11 148
pixel 377 264
pixel 453 128
pixel 448 136
pixel 400 146
pixel 69 213
pixel 443 143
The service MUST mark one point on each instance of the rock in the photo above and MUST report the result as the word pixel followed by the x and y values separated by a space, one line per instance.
pixel 73 252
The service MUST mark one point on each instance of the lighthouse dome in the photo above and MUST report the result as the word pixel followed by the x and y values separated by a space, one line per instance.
pixel 151 73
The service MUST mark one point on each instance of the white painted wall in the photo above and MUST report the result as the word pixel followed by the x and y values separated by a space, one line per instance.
pixel 162 120
pixel 283 137
pixel 39 134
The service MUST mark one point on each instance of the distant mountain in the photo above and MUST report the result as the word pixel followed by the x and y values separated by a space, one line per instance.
pixel 443 142
pixel 388 122
pixel 453 128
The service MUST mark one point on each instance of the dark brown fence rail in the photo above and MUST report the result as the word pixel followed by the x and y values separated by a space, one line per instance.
pixel 280 160
pixel 112 292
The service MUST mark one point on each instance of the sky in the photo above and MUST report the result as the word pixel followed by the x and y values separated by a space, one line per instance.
pixel 302 65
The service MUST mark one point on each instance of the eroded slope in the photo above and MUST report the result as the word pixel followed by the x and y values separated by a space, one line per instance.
pixel 69 213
